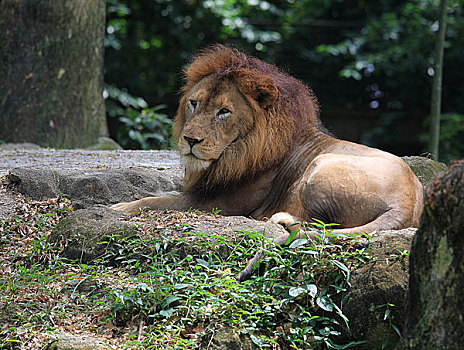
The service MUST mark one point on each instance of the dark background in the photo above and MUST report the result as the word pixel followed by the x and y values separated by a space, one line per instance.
pixel 368 62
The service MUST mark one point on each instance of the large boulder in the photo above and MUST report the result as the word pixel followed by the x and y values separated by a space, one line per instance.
pixel 424 168
pixel 376 302
pixel 91 187
pixel 435 303
pixel 88 234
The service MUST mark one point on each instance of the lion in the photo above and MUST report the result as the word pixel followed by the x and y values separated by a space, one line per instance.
pixel 252 143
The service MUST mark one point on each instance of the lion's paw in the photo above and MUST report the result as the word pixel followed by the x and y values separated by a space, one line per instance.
pixel 287 220
pixel 125 207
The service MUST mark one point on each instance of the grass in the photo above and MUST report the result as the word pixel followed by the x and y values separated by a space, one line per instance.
pixel 180 291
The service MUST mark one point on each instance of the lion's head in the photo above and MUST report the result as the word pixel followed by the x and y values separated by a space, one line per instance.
pixel 238 116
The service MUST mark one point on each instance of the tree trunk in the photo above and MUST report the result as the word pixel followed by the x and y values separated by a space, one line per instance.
pixel 51 72
pixel 435 106
pixel 436 266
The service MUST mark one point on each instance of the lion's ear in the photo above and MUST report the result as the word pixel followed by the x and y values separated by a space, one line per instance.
pixel 257 86
pixel 267 94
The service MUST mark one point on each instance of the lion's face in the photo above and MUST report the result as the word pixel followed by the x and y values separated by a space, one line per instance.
pixel 217 117
pixel 238 117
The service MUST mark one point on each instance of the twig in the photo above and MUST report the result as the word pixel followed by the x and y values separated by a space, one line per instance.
pixel 139 333
pixel 209 344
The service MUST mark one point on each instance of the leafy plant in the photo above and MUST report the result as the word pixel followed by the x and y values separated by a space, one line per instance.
pixel 139 127
pixel 386 317
pixel 146 129
pixel 451 136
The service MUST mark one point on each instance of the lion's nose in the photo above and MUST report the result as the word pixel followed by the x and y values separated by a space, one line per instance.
pixel 191 141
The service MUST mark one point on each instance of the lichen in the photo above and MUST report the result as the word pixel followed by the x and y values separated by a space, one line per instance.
pixel 443 259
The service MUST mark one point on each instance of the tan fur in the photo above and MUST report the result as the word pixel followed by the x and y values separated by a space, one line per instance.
pixel 252 144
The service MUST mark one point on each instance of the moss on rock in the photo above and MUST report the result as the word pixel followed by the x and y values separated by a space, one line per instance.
pixel 86 233
pixel 424 168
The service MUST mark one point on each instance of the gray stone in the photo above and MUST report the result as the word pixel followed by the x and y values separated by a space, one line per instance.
pixel 87 188
pixel 19 146
pixel 425 168
pixel 85 233
pixel 105 144
pixel 228 338
pixel 66 341
pixel 86 160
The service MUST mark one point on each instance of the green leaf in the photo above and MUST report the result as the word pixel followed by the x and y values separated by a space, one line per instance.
pixel 256 340
pixel 169 300
pixel 341 266
pixel 295 291
pixel 298 243
pixel 325 303
pixel 167 313
pixel 202 262
pixel 311 289
pixel 387 313
pixel 396 330
pixel 181 285
pixel 292 235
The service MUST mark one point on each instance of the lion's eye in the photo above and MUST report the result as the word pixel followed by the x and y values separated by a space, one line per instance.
pixel 222 114
pixel 193 105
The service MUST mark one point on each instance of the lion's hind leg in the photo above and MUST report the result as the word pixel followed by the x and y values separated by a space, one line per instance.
pixel 391 219
pixel 388 220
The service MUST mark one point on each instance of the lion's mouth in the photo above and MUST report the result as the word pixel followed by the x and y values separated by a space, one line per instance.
pixel 194 163
pixel 193 156
pixel 238 138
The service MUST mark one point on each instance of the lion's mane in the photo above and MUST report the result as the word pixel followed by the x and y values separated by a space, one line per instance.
pixel 285 110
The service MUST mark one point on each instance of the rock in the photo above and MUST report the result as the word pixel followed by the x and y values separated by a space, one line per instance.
pixel 105 144
pixel 374 286
pixel 231 225
pixel 8 202
pixel 425 168
pixel 99 177
pixel 85 232
pixel 86 285
pixel 19 146
pixel 65 341
pixel 228 338
pixel 87 188
pixel 435 301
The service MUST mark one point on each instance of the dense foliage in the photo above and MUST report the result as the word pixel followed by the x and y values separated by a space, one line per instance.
pixel 169 286
pixel 370 63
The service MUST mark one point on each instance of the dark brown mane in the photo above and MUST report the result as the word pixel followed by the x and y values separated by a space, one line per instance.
pixel 286 117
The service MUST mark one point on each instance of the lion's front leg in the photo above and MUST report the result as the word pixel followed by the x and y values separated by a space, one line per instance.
pixel 156 203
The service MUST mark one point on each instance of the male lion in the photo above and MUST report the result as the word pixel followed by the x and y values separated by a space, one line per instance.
pixel 252 144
